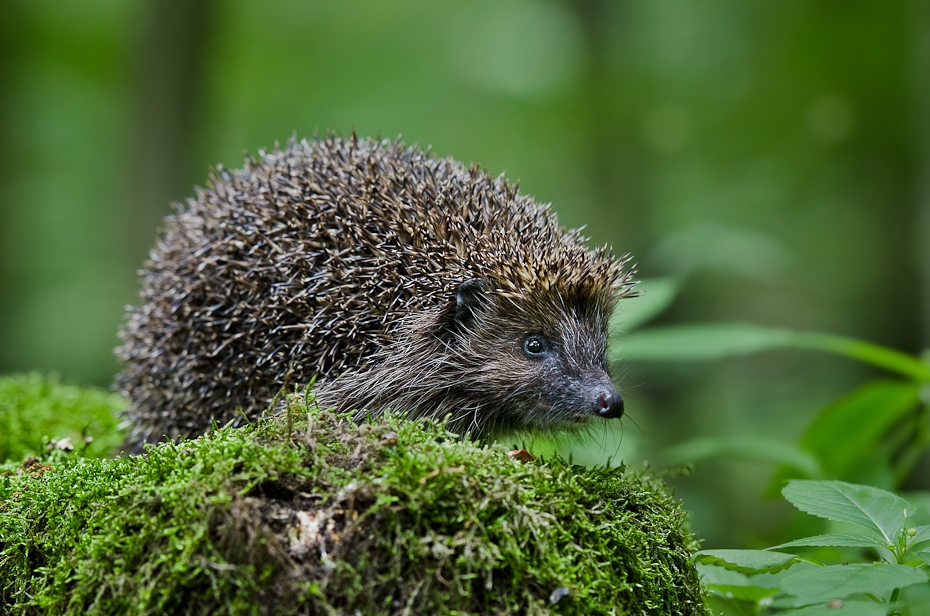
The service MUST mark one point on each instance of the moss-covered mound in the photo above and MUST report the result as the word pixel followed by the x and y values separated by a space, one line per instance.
pixel 311 514
pixel 35 410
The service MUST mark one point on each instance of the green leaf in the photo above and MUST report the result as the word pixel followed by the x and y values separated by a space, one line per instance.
pixel 835 540
pixel 700 342
pixel 717 341
pixel 745 593
pixel 876 510
pixel 655 295
pixel 867 352
pixel 747 561
pixel 735 585
pixel 711 574
pixel 745 447
pixel 847 608
pixel 856 423
pixel 840 581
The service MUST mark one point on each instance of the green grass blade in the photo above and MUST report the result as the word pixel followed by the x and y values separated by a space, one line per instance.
pixel 874 354
pixel 717 341
pixel 699 342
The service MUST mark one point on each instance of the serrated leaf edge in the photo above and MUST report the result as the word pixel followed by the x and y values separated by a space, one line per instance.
pixel 852 505
pixel 829 540
pixel 706 558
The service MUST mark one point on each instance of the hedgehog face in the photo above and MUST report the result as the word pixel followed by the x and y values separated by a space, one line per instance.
pixel 568 371
pixel 541 358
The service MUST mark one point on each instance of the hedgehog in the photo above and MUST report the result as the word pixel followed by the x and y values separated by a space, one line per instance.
pixel 395 279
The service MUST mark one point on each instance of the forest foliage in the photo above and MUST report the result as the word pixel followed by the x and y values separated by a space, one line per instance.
pixel 767 165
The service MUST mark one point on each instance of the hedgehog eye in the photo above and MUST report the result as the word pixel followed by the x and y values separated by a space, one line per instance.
pixel 535 346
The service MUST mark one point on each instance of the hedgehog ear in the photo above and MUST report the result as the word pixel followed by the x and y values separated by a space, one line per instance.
pixel 469 298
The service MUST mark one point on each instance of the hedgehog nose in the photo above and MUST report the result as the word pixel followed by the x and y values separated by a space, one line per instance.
pixel 609 404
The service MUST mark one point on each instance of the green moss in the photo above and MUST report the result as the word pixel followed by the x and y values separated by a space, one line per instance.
pixel 35 410
pixel 319 516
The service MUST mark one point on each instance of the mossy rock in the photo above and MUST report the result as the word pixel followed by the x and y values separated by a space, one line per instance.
pixel 308 513
pixel 36 410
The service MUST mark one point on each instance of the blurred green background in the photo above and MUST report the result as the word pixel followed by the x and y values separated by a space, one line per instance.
pixel 774 156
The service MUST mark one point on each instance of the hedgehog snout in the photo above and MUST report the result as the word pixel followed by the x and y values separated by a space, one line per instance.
pixel 608 403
